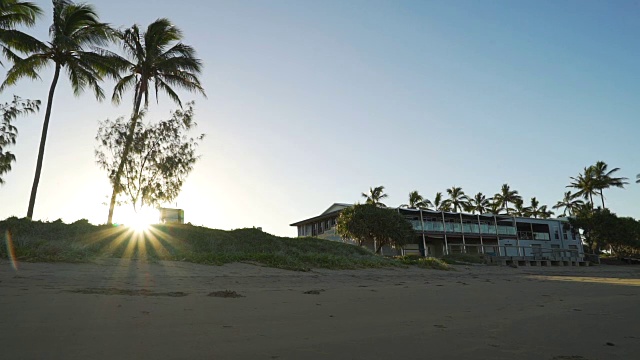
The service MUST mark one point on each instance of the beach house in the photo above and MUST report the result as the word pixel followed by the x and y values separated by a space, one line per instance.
pixel 438 233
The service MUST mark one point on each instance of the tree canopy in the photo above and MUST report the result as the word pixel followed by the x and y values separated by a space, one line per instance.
pixel 370 224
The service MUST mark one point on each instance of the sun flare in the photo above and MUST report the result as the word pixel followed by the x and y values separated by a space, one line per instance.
pixel 142 220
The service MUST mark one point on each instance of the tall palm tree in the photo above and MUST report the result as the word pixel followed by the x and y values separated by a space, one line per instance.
pixel 585 184
pixel 156 59
pixel 518 208
pixel 604 179
pixel 533 210
pixel 15 13
pixel 375 195
pixel 75 34
pixel 416 201
pixel 457 199
pixel 506 196
pixel 479 203
pixel 569 203
pixel 544 213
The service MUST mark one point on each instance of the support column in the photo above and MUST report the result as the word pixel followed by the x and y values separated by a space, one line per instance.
pixel 480 232
pixel 515 225
pixel 464 244
pixel 495 223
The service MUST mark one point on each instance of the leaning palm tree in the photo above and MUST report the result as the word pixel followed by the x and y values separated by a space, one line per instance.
pixel 506 196
pixel 569 203
pixel 604 178
pixel 457 199
pixel 416 201
pixel 479 203
pixel 586 185
pixel 75 34
pixel 15 13
pixel 374 196
pixel 156 60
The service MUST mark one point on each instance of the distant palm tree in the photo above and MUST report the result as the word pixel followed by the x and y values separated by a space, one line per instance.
pixel 374 196
pixel 479 204
pixel 604 179
pixel 75 33
pixel 506 196
pixel 586 185
pixel 457 200
pixel 416 201
pixel 518 208
pixel 544 213
pixel 536 210
pixel 440 204
pixel 157 59
pixel 494 207
pixel 569 203
pixel 15 13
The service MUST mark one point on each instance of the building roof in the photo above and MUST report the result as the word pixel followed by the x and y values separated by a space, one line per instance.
pixel 332 211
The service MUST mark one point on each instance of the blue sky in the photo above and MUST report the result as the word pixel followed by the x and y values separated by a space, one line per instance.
pixel 312 102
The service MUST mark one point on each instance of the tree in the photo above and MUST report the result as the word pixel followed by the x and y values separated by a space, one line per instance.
pixel 506 196
pixel 416 201
pixel 8 132
pixel 479 203
pixel 14 13
pixel 585 184
pixel 601 228
pixel 75 34
pixel 457 199
pixel 155 58
pixel 569 203
pixel 494 207
pixel 535 210
pixel 604 179
pixel 518 209
pixel 161 156
pixel 370 224
pixel 375 195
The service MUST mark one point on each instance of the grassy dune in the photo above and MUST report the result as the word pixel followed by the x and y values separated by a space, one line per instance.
pixel 35 241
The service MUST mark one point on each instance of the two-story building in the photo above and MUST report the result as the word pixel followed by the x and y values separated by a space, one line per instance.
pixel 439 233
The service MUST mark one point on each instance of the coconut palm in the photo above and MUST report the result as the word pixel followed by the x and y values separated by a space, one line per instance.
pixel 479 203
pixel 518 208
pixel 506 196
pixel 604 179
pixel 375 195
pixel 586 185
pixel 494 207
pixel 416 201
pixel 457 200
pixel 75 34
pixel 544 213
pixel 569 203
pixel 15 13
pixel 156 59
pixel 536 210
pixel 440 204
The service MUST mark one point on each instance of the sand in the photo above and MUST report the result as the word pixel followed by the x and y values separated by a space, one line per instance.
pixel 128 309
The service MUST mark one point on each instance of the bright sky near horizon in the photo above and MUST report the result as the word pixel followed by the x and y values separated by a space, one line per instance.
pixel 313 102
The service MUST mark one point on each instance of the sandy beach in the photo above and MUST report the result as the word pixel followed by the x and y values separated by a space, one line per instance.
pixel 128 309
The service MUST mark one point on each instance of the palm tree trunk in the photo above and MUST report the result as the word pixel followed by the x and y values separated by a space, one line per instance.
pixel 125 154
pixel 43 140
pixel 602 197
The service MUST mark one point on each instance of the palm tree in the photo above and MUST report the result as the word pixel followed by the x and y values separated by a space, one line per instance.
pixel 605 180
pixel 569 203
pixel 506 196
pixel 440 204
pixel 544 213
pixel 457 199
pixel 535 210
pixel 416 201
pixel 494 207
pixel 586 185
pixel 375 195
pixel 479 203
pixel 156 58
pixel 15 13
pixel 75 34
pixel 518 208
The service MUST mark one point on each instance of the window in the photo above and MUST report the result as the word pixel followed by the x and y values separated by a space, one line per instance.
pixel 557 236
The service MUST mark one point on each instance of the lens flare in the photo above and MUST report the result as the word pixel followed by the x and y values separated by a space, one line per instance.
pixel 11 252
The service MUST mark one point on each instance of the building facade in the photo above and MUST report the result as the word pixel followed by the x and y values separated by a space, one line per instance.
pixel 439 233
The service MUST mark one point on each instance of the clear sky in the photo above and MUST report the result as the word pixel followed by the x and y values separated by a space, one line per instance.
pixel 312 102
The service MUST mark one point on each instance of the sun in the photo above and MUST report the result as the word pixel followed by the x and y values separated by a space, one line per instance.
pixel 142 220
